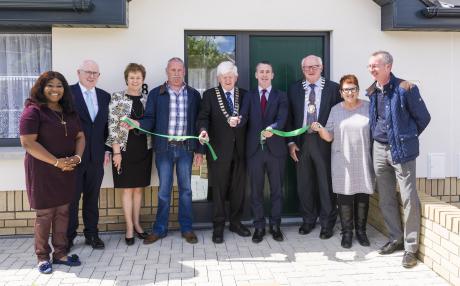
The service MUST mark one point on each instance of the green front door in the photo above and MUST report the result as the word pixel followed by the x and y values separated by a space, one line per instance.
pixel 285 54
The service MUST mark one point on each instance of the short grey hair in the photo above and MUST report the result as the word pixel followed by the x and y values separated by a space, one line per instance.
pixel 320 60
pixel 84 63
pixel 175 59
pixel 386 56
pixel 226 67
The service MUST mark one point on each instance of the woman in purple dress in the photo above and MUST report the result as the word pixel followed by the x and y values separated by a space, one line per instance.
pixel 54 142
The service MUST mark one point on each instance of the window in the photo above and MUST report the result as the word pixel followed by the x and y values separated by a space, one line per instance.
pixel 24 58
pixel 204 53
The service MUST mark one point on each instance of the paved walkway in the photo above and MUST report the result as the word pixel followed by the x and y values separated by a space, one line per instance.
pixel 299 260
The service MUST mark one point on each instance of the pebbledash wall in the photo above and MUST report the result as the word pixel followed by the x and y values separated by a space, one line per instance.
pixel 156 33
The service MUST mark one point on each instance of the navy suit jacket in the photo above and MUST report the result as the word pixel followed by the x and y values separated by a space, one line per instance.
pixel 276 113
pixel 95 132
pixel 156 117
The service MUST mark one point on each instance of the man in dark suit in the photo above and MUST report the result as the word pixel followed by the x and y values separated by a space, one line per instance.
pixel 92 106
pixel 310 100
pixel 265 108
pixel 217 120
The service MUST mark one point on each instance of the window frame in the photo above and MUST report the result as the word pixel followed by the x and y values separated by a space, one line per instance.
pixel 15 142
pixel 242 42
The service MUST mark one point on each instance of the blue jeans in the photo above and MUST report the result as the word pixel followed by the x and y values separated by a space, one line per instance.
pixel 164 162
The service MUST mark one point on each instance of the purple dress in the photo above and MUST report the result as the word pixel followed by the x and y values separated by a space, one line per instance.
pixel 48 186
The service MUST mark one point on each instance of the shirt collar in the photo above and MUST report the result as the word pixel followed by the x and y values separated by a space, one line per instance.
pixel 181 90
pixel 317 83
pixel 84 89
pixel 232 91
pixel 268 90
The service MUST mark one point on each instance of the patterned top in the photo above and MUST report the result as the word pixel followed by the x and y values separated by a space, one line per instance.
pixel 352 170
pixel 121 105
pixel 177 111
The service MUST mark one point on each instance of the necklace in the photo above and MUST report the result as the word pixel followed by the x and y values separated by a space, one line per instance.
pixel 221 103
pixel 60 116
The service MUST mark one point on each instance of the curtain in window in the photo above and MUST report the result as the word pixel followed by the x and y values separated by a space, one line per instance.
pixel 23 57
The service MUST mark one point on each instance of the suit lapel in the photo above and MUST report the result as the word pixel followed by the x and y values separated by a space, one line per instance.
pixel 255 97
pixel 80 102
pixel 99 103
pixel 324 100
pixel 272 97
pixel 300 104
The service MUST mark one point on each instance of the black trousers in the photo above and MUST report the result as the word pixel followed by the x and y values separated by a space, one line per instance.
pixel 228 182
pixel 261 163
pixel 89 180
pixel 314 184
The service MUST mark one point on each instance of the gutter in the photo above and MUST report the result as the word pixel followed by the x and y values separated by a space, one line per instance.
pixel 75 5
pixel 432 12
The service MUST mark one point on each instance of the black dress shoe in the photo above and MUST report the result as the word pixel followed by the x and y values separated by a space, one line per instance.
pixel 326 233
pixel 240 229
pixel 95 242
pixel 258 236
pixel 409 259
pixel 306 228
pixel 275 230
pixel 218 236
pixel 391 246
pixel 141 235
pixel 129 240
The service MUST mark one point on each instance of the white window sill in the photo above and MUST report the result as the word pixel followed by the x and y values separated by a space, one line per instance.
pixel 11 153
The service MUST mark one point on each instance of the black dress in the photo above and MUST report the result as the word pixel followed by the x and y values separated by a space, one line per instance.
pixel 136 163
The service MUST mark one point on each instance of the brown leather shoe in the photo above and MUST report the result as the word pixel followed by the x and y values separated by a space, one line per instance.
pixel 151 238
pixel 190 237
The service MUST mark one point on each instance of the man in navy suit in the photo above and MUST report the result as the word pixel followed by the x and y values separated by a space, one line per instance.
pixel 310 100
pixel 92 106
pixel 265 108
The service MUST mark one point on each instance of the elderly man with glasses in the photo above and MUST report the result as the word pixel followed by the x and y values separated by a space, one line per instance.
pixel 311 100
pixel 92 106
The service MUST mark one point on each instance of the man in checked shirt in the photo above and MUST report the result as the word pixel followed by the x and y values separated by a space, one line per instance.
pixel 172 109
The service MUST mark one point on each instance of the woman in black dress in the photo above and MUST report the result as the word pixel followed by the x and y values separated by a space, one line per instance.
pixel 132 150
pixel 51 134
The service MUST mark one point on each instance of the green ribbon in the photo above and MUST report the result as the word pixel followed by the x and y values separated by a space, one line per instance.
pixel 280 133
pixel 172 137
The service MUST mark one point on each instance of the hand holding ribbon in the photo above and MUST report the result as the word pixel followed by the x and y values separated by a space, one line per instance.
pixel 172 137
pixel 280 133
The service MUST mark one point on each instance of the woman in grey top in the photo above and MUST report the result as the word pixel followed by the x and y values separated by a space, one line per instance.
pixel 352 173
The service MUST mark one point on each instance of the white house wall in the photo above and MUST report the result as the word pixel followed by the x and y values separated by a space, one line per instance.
pixel 156 33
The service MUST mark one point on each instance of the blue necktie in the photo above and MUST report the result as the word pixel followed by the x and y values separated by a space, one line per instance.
pixel 90 104
pixel 229 101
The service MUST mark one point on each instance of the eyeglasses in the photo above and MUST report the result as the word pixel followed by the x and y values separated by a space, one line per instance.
pixel 373 66
pixel 349 90
pixel 314 67
pixel 92 73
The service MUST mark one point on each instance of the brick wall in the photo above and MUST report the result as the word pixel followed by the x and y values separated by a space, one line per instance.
pixel 440 229
pixel 16 217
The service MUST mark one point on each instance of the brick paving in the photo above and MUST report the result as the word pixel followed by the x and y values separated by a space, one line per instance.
pixel 299 260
